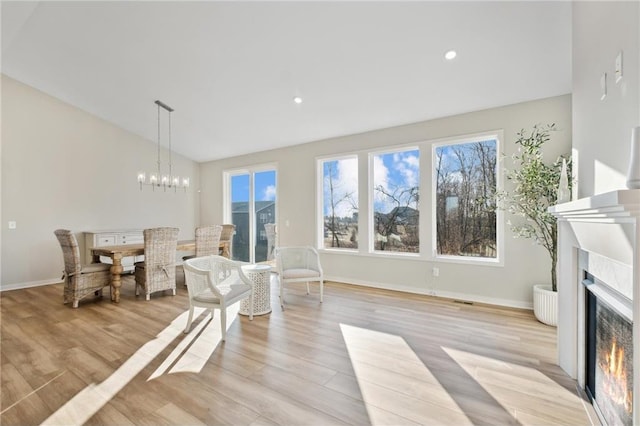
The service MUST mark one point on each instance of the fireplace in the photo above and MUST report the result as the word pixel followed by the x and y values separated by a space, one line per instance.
pixel 599 301
pixel 608 353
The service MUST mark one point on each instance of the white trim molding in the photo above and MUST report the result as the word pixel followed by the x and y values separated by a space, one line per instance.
pixel 17 286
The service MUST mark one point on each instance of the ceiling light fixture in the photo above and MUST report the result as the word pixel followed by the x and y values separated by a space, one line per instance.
pixel 451 54
pixel 158 179
pixel 297 100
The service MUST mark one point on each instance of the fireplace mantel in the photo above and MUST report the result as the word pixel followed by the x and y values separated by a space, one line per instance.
pixel 591 218
pixel 624 202
pixel 616 204
pixel 605 227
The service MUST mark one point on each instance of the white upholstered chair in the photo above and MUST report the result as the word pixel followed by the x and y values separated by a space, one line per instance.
pixel 80 280
pixel 215 282
pixel 298 265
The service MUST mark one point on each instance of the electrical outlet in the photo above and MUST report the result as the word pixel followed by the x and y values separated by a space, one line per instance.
pixel 435 272
pixel 12 224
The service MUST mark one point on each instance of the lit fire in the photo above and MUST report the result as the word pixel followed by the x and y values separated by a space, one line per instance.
pixel 615 378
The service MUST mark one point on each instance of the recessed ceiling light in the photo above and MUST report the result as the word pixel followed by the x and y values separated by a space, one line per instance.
pixel 451 54
pixel 297 99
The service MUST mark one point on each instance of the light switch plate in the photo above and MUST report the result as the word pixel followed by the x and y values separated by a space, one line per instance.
pixel 618 67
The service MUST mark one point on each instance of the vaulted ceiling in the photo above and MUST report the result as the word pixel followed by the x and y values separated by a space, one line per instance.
pixel 231 69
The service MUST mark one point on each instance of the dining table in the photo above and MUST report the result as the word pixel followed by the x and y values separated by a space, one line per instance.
pixel 118 252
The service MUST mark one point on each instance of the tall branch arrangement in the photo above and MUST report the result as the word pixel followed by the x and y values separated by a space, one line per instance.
pixel 536 186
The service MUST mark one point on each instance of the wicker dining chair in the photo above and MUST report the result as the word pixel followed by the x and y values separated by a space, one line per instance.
pixel 158 271
pixel 207 241
pixel 227 237
pixel 215 282
pixel 80 280
pixel 272 239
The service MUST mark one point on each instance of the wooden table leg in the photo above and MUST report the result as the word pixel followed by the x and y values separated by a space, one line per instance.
pixel 225 250
pixel 116 270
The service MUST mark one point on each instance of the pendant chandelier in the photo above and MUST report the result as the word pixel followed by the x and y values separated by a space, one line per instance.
pixel 157 179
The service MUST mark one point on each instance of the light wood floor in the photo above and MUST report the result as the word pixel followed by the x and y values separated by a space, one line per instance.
pixel 362 357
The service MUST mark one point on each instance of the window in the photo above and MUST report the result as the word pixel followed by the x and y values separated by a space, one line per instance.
pixel 263 235
pixel 250 203
pixel 395 196
pixel 465 181
pixel 339 223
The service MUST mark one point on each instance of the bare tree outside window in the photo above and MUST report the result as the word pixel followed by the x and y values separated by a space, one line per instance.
pixel 396 216
pixel 340 203
pixel 466 178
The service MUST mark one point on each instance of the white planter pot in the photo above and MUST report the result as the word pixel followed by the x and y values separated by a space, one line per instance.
pixel 545 304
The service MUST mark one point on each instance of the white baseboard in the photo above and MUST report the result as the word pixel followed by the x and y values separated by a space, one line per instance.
pixel 17 286
pixel 437 293
pixel 384 286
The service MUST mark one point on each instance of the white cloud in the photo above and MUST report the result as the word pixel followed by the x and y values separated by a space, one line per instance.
pixel 269 193
pixel 408 165
pixel 412 160
pixel 381 202
pixel 345 184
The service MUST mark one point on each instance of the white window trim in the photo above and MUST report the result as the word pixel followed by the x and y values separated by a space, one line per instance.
pixel 370 196
pixel 498 135
pixel 320 201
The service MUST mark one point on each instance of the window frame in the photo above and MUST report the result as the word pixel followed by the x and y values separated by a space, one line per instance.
pixel 371 154
pixel 498 136
pixel 320 202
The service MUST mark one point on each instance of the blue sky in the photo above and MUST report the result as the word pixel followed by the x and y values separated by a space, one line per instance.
pixel 450 162
pixel 400 169
pixel 265 186
pixel 344 173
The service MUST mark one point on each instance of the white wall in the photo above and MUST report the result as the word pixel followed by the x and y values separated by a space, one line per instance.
pixel 524 264
pixel 602 128
pixel 65 168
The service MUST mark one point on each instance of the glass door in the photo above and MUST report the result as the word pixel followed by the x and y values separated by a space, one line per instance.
pixel 251 205
pixel 265 211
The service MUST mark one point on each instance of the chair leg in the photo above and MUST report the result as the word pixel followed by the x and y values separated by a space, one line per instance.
pixel 321 288
pixel 174 291
pixel 307 288
pixel 189 319
pixel 223 323
pixel 75 303
pixel 281 295
pixel 148 297
pixel 212 311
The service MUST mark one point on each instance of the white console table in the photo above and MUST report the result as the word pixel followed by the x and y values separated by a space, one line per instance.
pixel 114 237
